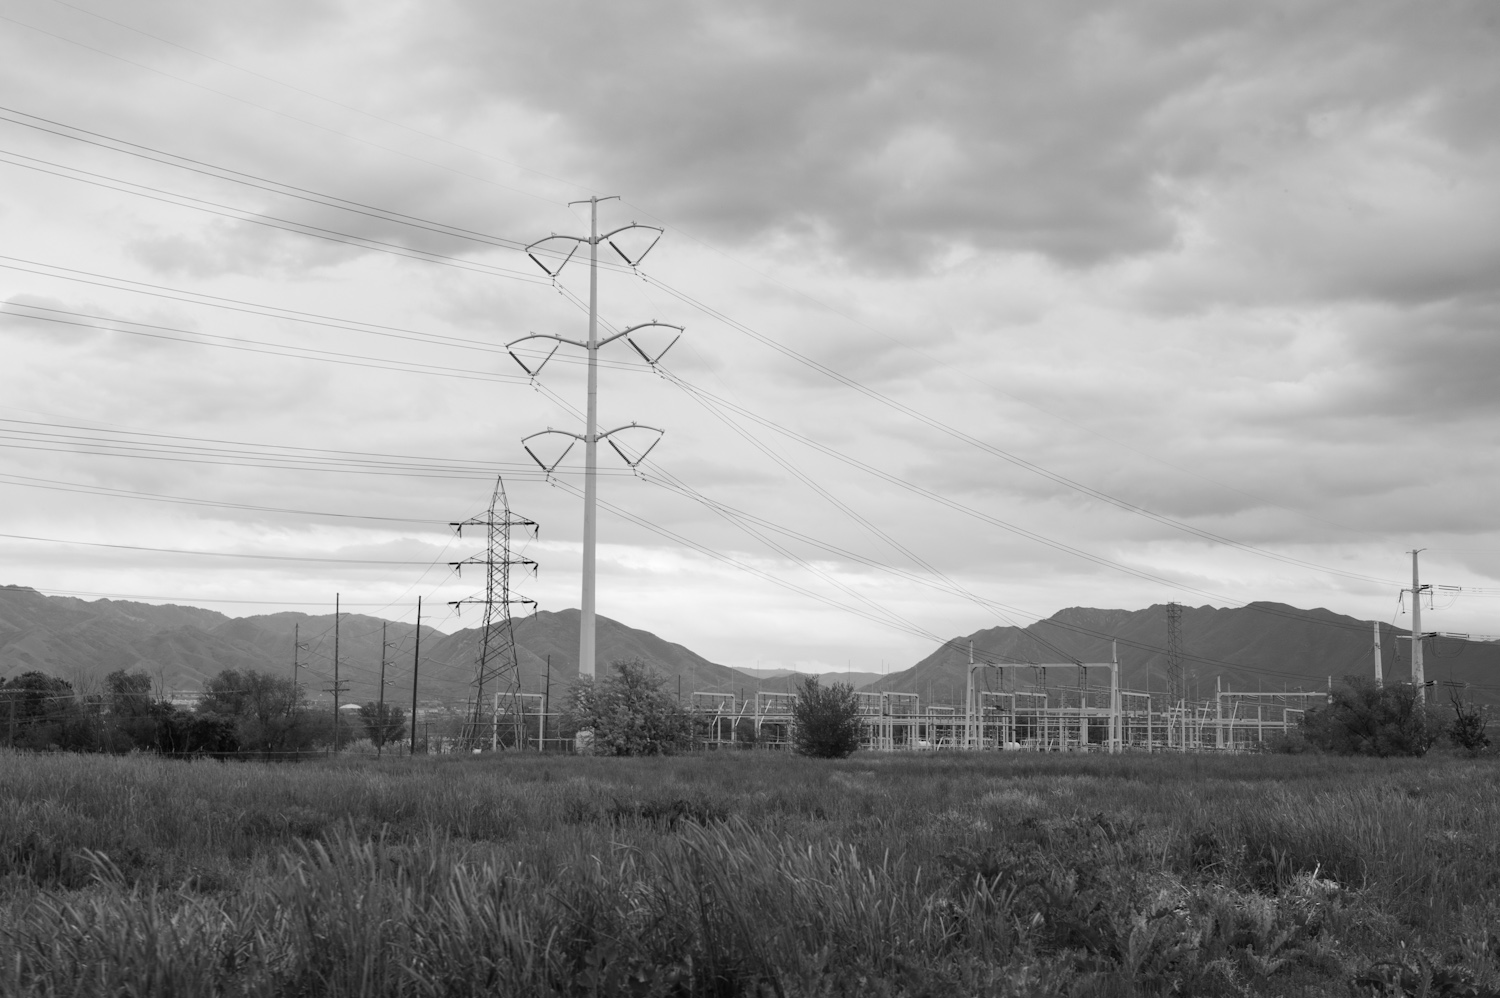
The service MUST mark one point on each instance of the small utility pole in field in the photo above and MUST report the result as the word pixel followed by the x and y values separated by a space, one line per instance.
pixel 416 661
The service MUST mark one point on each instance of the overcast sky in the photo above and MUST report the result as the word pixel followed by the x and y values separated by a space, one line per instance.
pixel 991 309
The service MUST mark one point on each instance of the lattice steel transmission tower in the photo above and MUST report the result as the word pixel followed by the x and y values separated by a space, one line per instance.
pixel 497 662
pixel 1176 683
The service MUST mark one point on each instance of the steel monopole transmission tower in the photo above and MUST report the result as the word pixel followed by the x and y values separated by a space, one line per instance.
pixel 591 436
pixel 496 665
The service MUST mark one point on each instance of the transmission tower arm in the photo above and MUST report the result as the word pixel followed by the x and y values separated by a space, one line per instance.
pixel 609 237
pixel 649 358
pixel 549 271
pixel 549 468
pixel 633 426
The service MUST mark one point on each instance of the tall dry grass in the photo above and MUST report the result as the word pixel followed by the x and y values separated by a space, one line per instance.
pixel 748 874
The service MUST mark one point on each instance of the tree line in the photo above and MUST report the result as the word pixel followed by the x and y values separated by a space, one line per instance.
pixel 240 712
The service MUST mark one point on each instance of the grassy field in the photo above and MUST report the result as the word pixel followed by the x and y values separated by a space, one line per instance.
pixel 750 873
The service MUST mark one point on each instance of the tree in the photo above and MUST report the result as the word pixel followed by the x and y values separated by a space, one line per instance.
pixel 264 710
pixel 630 713
pixel 41 711
pixel 132 723
pixel 1362 718
pixel 1468 730
pixel 384 723
pixel 128 693
pixel 825 719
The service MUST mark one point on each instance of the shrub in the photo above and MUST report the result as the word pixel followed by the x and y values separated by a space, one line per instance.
pixel 826 720
pixel 1468 730
pixel 266 712
pixel 383 722
pixel 629 713
pixel 1362 718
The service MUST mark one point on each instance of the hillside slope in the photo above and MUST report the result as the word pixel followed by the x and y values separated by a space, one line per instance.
pixel 1266 646
pixel 180 647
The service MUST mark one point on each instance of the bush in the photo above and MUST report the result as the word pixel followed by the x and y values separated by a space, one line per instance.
pixel 826 720
pixel 1469 728
pixel 1362 718
pixel 383 723
pixel 629 713
pixel 266 711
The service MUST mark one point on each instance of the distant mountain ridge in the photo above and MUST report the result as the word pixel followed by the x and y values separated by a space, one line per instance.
pixel 1266 646
pixel 181 647
pixel 858 680
pixel 1263 645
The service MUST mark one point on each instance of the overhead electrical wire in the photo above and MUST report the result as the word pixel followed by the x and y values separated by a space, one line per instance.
pixel 901 407
pixel 131 327
pixel 984 446
pixel 156 155
pixel 260 218
pixel 115 283
pixel 27 481
pixel 495 240
pixel 215 554
pixel 73 438
pixel 184 601
pixel 858 386
pixel 270 110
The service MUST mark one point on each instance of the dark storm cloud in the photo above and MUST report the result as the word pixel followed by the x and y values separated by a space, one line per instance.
pixel 1067 129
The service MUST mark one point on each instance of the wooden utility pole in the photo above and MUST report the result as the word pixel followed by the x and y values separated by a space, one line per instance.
pixel 380 698
pixel 416 661
pixel 335 672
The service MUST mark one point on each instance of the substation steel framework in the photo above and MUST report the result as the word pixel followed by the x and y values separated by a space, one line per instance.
pixel 1064 724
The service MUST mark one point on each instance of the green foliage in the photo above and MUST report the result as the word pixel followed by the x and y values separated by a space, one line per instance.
pixel 629 713
pixel 265 713
pixel 825 719
pixel 383 722
pixel 1469 729
pixel 751 874
pixel 1362 718
pixel 40 711
pixel 128 693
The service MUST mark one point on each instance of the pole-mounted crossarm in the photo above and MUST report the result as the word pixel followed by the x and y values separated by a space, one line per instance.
pixel 549 271
pixel 633 426
pixel 609 237
pixel 549 468
pixel 458 568
pixel 648 358
pixel 560 341
pixel 574 438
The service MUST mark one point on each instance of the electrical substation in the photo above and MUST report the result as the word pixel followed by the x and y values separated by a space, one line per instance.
pixel 1028 718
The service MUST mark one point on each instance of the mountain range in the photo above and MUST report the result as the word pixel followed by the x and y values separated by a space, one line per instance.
pixel 1267 646
pixel 1258 647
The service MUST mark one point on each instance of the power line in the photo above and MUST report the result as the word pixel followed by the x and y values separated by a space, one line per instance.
pixel 325 99
pixel 116 283
pixel 213 554
pixel 73 438
pixel 131 327
pixel 26 481
pixel 271 110
pixel 910 412
pixel 257 218
pixel 986 447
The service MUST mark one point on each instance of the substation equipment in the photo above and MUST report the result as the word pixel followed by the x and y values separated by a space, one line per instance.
pixel 1090 717
pixel 1039 717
